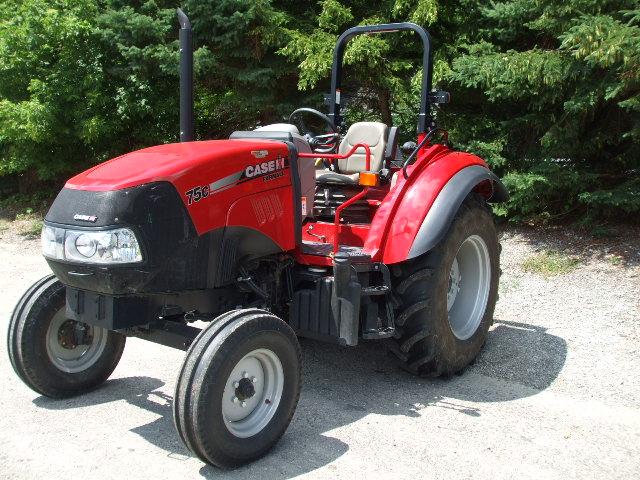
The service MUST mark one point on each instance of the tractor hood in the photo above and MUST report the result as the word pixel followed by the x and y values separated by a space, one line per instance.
pixel 195 162
pixel 210 177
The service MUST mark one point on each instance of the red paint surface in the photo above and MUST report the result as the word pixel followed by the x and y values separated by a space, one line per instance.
pixel 354 235
pixel 401 214
pixel 196 164
pixel 270 212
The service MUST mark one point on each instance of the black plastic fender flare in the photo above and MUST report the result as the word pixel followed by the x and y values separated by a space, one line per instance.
pixel 446 204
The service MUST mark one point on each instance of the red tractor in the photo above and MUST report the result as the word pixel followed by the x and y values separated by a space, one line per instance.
pixel 251 236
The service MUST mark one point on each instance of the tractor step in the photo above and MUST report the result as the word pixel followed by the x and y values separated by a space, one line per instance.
pixel 379 333
pixel 326 249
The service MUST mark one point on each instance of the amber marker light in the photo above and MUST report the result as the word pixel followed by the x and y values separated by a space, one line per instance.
pixel 369 179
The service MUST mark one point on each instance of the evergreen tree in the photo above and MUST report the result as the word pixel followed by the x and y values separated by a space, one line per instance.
pixel 552 99
pixel 547 92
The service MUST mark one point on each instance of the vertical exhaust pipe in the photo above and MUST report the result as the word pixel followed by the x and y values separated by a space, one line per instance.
pixel 187 131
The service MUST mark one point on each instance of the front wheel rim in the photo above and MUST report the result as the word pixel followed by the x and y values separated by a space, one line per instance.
pixel 74 358
pixel 469 285
pixel 252 393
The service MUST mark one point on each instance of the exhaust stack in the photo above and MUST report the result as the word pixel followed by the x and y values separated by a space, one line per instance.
pixel 187 131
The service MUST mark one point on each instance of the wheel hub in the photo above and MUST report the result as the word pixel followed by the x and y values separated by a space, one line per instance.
pixel 73 346
pixel 454 284
pixel 245 389
pixel 467 301
pixel 71 334
pixel 253 392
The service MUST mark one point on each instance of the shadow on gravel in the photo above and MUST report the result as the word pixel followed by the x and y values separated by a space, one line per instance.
pixel 142 392
pixel 343 385
pixel 521 353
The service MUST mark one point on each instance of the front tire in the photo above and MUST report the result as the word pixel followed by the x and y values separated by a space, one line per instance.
pixel 448 295
pixel 238 387
pixel 53 355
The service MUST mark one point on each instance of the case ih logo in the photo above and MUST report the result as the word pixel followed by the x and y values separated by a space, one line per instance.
pixel 85 218
pixel 268 170
pixel 274 166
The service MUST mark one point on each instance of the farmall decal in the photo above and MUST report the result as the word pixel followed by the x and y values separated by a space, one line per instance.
pixel 267 170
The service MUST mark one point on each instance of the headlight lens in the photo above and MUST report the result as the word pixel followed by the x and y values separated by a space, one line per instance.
pixel 103 247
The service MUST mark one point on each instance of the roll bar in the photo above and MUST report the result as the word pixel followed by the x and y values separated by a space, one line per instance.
pixel 187 130
pixel 424 119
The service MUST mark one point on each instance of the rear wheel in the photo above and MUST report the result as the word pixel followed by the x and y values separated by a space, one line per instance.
pixel 238 387
pixel 56 356
pixel 448 295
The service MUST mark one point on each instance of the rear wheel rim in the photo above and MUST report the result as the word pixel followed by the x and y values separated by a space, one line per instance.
pixel 252 393
pixel 469 285
pixel 74 358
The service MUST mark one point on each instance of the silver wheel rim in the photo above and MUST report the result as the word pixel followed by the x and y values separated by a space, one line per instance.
pixel 469 282
pixel 79 357
pixel 246 410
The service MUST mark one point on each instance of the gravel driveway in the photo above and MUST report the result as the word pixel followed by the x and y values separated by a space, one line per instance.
pixel 555 393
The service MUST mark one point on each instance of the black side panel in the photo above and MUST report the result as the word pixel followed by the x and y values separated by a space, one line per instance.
pixel 296 182
pixel 175 257
pixel 241 245
pixel 311 315
pixel 118 312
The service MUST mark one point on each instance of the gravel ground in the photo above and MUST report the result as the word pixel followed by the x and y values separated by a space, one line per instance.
pixel 554 394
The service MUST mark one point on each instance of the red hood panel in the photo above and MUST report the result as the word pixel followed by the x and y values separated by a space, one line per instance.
pixel 170 162
pixel 210 177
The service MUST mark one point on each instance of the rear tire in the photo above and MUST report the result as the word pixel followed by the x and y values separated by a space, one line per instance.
pixel 43 347
pixel 448 295
pixel 238 387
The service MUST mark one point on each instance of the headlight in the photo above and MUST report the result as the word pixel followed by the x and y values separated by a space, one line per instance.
pixel 104 247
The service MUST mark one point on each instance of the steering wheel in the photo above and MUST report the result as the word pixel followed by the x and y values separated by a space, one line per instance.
pixel 326 143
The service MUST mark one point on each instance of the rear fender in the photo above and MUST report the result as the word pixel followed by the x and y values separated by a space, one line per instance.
pixel 419 210
pixel 448 201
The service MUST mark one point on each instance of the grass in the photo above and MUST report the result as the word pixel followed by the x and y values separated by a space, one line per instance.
pixel 549 263
pixel 32 229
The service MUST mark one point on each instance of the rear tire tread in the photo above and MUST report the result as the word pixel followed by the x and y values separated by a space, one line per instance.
pixel 424 343
pixel 412 310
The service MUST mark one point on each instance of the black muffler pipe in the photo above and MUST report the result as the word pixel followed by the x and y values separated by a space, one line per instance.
pixel 187 130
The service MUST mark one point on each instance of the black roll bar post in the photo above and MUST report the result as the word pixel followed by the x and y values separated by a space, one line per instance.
pixel 424 119
pixel 187 130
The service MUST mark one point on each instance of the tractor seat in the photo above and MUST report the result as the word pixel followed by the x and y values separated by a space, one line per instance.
pixel 347 171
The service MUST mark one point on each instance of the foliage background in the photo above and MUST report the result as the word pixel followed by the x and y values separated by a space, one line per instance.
pixel 547 92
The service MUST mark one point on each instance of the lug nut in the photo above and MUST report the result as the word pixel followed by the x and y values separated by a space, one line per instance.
pixel 235 400
pixel 236 384
pixel 254 379
pixel 245 375
pixel 243 404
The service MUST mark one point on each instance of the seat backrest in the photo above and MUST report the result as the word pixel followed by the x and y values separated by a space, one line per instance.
pixel 373 134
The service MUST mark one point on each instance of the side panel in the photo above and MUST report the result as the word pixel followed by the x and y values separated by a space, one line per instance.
pixel 402 214
pixel 269 212
pixel 208 197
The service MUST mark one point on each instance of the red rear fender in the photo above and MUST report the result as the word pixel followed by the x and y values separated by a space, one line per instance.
pixel 417 211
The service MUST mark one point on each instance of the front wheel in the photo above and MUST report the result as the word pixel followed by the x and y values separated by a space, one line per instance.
pixel 448 295
pixel 55 356
pixel 238 387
